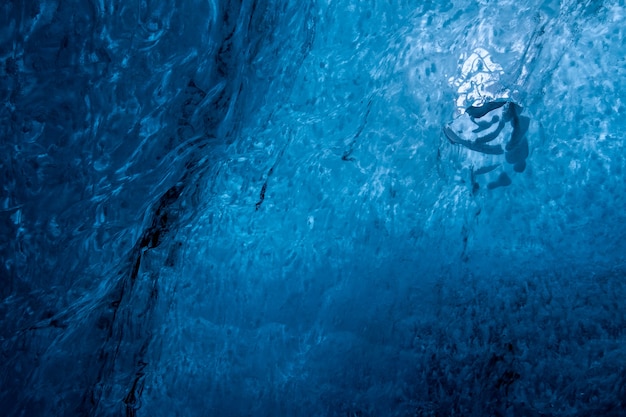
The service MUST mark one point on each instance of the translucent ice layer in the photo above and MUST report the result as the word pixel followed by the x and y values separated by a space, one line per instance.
pixel 270 208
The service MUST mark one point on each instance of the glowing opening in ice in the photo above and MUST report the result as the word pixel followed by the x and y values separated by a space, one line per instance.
pixel 478 81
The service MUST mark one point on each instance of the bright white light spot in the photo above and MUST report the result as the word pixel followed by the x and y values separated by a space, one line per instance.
pixel 478 74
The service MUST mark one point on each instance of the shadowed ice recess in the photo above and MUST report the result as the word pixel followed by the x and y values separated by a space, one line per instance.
pixel 325 208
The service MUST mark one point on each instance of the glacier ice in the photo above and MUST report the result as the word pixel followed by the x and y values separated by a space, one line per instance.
pixel 280 208
pixel 495 132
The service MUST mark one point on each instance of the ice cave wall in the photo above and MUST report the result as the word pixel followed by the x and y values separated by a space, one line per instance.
pixel 250 207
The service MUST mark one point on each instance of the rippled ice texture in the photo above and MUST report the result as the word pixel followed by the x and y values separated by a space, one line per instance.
pixel 249 208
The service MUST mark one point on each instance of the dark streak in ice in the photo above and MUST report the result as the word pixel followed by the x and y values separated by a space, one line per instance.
pixel 257 206
pixel 480 111
pixel 262 193
pixel 347 154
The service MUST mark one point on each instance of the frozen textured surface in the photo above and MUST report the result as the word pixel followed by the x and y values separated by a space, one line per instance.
pixel 252 208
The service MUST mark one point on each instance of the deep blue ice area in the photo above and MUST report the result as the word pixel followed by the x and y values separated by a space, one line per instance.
pixel 313 208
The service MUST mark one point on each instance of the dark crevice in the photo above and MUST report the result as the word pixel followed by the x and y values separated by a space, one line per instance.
pixel 115 324
pixel 131 401
pixel 154 235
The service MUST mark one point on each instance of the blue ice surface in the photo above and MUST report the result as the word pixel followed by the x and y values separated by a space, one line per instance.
pixel 252 208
